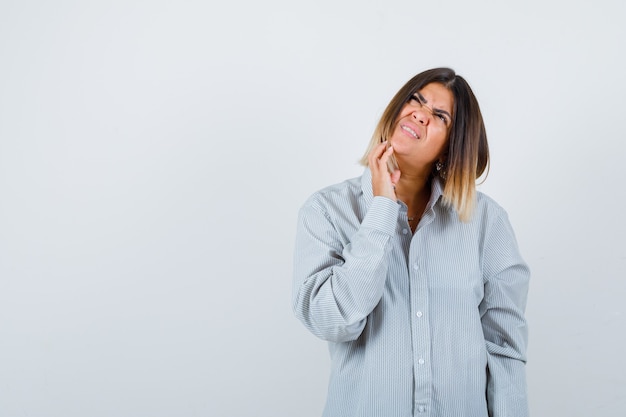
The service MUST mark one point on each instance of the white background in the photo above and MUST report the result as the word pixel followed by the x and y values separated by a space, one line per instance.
pixel 154 155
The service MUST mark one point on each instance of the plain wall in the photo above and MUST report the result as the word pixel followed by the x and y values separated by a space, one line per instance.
pixel 154 155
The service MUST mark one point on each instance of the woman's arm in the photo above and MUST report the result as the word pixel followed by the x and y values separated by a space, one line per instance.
pixel 336 285
pixel 504 326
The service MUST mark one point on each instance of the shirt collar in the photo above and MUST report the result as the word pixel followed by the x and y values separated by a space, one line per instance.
pixel 366 186
pixel 436 191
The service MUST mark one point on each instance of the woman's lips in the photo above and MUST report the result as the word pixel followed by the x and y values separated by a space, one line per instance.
pixel 410 131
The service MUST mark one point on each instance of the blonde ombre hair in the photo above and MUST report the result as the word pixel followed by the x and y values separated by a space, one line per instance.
pixel 467 154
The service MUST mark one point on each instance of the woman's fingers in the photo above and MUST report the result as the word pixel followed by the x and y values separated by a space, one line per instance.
pixel 380 156
pixel 395 177
pixel 376 154
pixel 385 158
pixel 382 181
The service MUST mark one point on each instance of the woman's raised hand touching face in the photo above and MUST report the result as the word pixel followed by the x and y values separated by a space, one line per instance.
pixel 383 181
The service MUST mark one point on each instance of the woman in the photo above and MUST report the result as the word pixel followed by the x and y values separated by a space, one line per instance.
pixel 412 276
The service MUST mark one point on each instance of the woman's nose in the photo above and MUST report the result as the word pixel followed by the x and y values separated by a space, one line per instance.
pixel 421 115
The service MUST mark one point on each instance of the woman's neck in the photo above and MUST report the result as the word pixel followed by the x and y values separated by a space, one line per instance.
pixel 414 189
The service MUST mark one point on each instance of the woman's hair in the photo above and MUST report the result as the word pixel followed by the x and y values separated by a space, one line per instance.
pixel 467 154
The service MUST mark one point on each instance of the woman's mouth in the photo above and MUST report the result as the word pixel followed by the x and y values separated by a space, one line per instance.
pixel 410 131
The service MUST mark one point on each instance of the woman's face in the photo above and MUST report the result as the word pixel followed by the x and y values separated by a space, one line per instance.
pixel 423 126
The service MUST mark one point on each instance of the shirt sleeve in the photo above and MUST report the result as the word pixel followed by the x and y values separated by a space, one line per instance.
pixel 337 283
pixel 504 325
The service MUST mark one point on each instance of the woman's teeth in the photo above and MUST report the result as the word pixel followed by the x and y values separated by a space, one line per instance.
pixel 411 131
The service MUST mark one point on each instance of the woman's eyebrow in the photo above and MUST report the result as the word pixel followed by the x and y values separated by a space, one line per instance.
pixel 434 110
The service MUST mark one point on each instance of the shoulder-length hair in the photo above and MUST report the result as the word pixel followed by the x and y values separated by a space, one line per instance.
pixel 467 154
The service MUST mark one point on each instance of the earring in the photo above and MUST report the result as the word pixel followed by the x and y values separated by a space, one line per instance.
pixel 440 167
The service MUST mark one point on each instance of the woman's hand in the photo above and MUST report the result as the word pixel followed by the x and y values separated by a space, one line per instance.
pixel 383 182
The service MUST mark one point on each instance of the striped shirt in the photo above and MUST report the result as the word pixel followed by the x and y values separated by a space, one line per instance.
pixel 429 323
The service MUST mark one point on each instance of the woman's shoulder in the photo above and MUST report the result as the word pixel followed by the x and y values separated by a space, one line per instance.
pixel 347 190
pixel 487 206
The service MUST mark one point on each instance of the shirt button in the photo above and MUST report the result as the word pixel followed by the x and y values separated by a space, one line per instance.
pixel 416 266
pixel 419 314
pixel 405 231
pixel 421 361
pixel 421 408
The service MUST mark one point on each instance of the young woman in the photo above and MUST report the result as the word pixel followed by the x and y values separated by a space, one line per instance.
pixel 412 276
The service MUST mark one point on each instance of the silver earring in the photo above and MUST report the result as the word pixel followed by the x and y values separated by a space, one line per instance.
pixel 438 166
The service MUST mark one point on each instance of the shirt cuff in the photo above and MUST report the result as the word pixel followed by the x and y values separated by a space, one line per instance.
pixel 382 215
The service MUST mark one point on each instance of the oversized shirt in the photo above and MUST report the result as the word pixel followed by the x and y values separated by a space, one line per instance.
pixel 427 324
